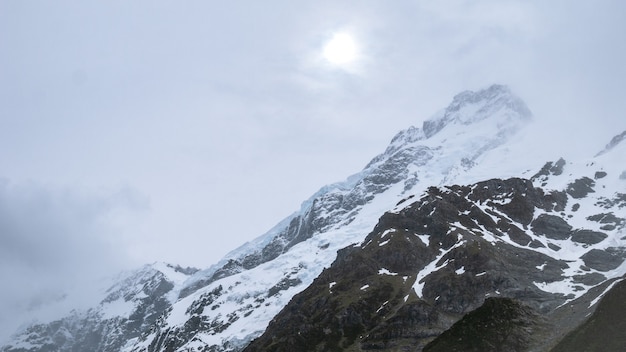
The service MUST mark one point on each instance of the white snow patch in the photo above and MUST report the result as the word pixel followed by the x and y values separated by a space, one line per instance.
pixel 364 287
pixel 430 268
pixel 384 271
pixel 460 270
pixel 564 287
pixel 382 306
pixel 425 238
pixel 386 232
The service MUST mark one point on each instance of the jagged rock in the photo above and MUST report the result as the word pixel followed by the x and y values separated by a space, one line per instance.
pixel 604 260
pixel 588 236
pixel 589 279
pixel 581 187
pixel 599 175
pixel 548 169
pixel 551 226
pixel 607 218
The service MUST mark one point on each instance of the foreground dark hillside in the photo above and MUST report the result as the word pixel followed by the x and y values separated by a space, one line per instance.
pixel 604 330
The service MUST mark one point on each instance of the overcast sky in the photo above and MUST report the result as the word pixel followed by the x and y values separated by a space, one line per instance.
pixel 137 131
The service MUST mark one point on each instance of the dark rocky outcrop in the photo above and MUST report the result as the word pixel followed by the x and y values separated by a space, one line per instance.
pixel 367 299
pixel 604 260
pixel 588 236
pixel 551 226
pixel 550 168
pixel 581 187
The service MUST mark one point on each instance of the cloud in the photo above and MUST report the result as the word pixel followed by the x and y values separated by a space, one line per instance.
pixel 55 241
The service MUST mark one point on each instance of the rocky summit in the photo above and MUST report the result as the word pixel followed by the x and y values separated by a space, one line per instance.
pixel 418 251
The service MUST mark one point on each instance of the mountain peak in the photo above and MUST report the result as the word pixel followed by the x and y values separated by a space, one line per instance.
pixel 496 106
pixel 470 107
pixel 230 303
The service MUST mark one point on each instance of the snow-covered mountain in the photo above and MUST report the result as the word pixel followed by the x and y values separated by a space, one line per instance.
pixel 128 308
pixel 567 221
pixel 498 265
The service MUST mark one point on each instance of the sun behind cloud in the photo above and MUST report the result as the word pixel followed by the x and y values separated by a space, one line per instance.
pixel 341 49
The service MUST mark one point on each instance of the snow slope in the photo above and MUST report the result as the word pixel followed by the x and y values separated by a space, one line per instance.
pixel 235 300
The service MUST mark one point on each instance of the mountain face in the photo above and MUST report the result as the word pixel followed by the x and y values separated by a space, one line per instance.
pixel 129 308
pixel 417 250
pixel 498 265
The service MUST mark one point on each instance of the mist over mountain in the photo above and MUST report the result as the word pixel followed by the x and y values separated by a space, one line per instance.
pixel 446 241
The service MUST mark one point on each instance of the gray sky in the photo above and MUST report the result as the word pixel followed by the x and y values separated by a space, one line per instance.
pixel 139 131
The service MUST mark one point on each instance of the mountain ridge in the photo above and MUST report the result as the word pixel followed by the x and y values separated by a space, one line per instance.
pixel 498 103
pixel 431 262
pixel 226 306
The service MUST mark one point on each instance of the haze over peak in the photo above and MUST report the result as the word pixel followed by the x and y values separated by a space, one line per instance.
pixel 618 139
pixel 495 110
pixel 469 107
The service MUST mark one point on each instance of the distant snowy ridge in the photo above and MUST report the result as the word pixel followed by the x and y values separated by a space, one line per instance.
pixel 127 309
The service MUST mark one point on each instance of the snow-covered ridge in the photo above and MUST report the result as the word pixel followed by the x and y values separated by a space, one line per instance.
pixel 251 284
pixel 127 308
pixel 230 303
pixel 447 145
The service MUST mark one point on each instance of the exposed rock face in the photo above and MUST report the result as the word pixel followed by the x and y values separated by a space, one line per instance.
pixel 130 309
pixel 440 260
pixel 580 187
